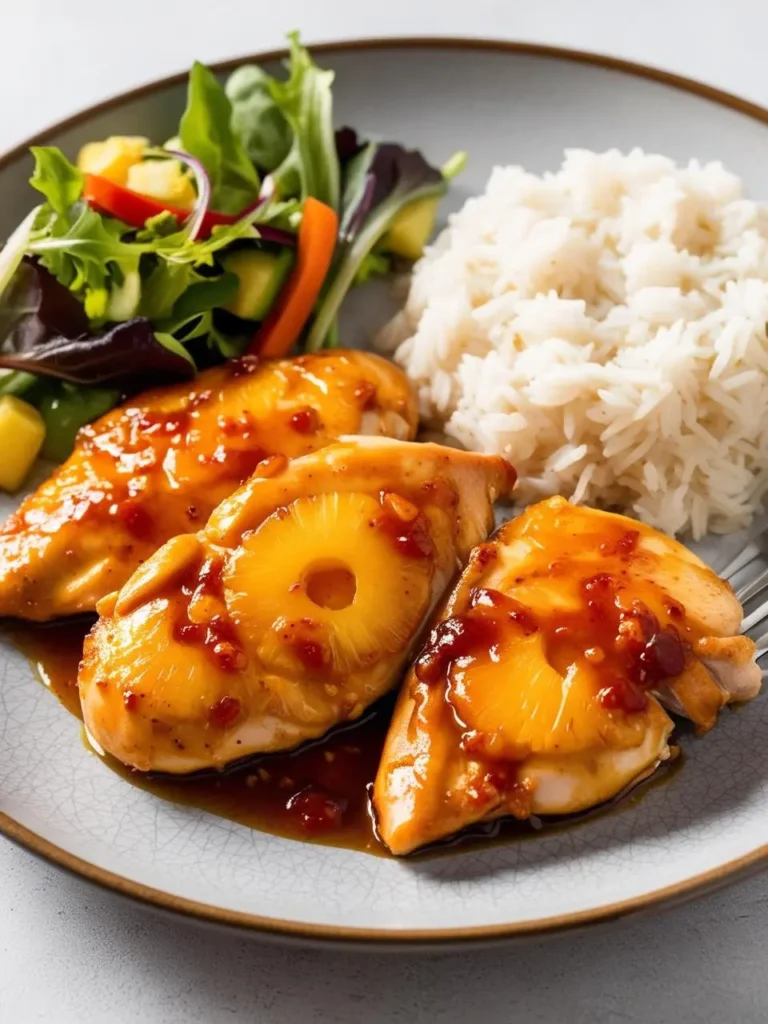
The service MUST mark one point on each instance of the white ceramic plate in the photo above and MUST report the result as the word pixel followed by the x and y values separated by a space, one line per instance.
pixel 503 103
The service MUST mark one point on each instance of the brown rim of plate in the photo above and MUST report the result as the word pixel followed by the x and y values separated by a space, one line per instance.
pixel 705 882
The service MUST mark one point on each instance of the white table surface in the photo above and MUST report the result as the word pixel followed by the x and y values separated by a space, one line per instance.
pixel 72 953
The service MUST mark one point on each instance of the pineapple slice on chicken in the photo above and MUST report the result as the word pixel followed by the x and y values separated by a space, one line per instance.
pixel 540 690
pixel 292 611
pixel 158 466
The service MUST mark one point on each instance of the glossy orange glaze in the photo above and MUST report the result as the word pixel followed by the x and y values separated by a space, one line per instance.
pixel 159 465
pixel 409 537
pixel 629 648
pixel 216 634
pixel 231 619
pixel 201 583
pixel 539 688
pixel 319 793
pixel 617 627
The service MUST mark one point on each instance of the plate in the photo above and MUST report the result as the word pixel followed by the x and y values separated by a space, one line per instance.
pixel 504 103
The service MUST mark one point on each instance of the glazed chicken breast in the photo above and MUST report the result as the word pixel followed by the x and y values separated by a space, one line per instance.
pixel 157 466
pixel 292 611
pixel 541 687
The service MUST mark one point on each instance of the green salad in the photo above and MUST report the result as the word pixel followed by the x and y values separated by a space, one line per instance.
pixel 145 262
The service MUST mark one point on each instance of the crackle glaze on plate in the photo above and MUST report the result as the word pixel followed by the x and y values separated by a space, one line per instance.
pixel 503 104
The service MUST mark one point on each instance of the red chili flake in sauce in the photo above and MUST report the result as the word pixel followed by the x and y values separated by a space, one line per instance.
pixel 229 657
pixel 366 394
pixel 224 713
pixel 222 641
pixel 454 638
pixel 472 634
pixel 236 463
pixel 147 421
pixel 130 700
pixel 628 543
pixel 316 810
pixel 623 695
pixel 192 513
pixel 135 518
pixel 209 579
pixel 484 555
pixel 311 654
pixel 237 426
pixel 218 636
pixel 643 653
pixel 499 779
pixel 486 597
pixel 663 657
pixel 188 633
pixel 647 622
pixel 411 539
pixel 203 577
pixel 623 547
pixel 674 609
pixel 600 594
pixel 305 421
pixel 601 583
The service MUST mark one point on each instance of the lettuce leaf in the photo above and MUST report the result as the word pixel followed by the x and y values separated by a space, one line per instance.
pixel 301 116
pixel 206 132
pixel 85 252
pixel 127 356
pixel 91 301
pixel 112 270
pixel 256 117
pixel 59 180
pixel 37 307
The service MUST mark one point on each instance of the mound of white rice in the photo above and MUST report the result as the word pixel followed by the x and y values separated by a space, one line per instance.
pixel 604 328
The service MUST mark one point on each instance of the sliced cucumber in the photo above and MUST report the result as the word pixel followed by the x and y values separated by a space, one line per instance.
pixel 261 275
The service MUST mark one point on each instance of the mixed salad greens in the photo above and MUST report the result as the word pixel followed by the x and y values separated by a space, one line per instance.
pixel 143 264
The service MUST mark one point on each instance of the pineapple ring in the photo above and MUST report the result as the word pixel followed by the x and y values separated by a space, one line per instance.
pixel 518 704
pixel 369 599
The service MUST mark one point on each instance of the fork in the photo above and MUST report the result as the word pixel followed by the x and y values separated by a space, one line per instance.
pixel 754 550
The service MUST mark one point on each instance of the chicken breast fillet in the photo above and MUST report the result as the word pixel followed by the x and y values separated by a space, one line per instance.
pixel 293 610
pixel 158 466
pixel 540 690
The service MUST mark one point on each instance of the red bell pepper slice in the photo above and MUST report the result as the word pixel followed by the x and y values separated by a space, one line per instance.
pixel 135 209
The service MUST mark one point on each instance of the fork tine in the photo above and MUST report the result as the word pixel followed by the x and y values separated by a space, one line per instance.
pixel 753 588
pixel 760 613
pixel 744 557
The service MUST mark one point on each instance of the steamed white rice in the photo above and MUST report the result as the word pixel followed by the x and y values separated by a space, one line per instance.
pixel 604 328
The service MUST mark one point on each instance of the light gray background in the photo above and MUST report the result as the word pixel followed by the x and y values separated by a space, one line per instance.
pixel 71 953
